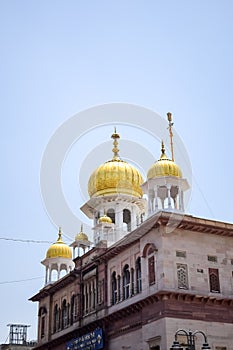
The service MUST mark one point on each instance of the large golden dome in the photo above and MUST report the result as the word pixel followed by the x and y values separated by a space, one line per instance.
pixel 59 249
pixel 115 176
pixel 164 167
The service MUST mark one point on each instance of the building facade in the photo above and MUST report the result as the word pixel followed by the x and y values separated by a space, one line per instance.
pixel 152 269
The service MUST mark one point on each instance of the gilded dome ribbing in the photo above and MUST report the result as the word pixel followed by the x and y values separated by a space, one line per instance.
pixel 164 167
pixel 81 236
pixel 59 249
pixel 105 219
pixel 115 177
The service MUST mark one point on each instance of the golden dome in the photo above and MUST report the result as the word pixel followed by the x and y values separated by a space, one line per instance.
pixel 81 236
pixel 59 249
pixel 115 176
pixel 164 167
pixel 105 219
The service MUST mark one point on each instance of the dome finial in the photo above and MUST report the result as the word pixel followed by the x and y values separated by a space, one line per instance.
pixel 59 234
pixel 115 149
pixel 81 236
pixel 170 125
pixel 162 147
pixel 163 154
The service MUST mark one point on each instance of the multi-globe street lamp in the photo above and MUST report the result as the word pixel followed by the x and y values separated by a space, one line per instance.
pixel 190 340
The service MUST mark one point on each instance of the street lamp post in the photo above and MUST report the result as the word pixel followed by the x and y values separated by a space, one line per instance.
pixel 190 340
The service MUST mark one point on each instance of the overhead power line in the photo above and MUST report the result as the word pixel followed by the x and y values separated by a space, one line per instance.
pixel 26 240
pixel 23 280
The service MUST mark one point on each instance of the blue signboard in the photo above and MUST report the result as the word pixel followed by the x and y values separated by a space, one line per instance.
pixel 90 341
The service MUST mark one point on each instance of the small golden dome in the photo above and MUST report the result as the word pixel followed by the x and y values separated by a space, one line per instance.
pixel 59 249
pixel 81 236
pixel 164 167
pixel 105 219
pixel 115 176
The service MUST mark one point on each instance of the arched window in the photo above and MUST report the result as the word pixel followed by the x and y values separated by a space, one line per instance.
pixel 154 343
pixel 86 299
pixel 42 329
pixel 75 307
pixel 127 219
pixel 111 214
pixel 42 314
pixel 119 288
pixel 151 269
pixel 56 319
pixel 138 275
pixel 72 309
pixel 68 314
pixel 96 217
pixel 94 293
pixel 126 282
pixel 63 271
pixel 90 297
pixel 54 275
pixel 114 288
pixel 149 252
pixel 64 314
pixel 132 282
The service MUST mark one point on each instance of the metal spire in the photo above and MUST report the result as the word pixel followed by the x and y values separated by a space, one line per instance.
pixel 170 125
pixel 59 234
pixel 115 149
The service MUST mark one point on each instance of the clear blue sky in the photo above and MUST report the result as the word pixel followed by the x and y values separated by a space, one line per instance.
pixel 60 57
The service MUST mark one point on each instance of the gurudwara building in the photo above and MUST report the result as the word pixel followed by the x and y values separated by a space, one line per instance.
pixel 152 269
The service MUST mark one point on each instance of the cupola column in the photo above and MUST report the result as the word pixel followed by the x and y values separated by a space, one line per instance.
pixel 169 196
pixel 50 274
pixel 151 202
pixel 118 217
pixel 181 198
pixel 155 202
pixel 46 274
pixel 133 218
pixel 58 271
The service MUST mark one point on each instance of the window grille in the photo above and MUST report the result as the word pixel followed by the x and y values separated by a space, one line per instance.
pixel 180 254
pixel 182 276
pixel 214 281
pixel 212 258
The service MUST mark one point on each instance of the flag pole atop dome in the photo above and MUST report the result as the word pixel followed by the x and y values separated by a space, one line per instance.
pixel 115 149
pixel 170 125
